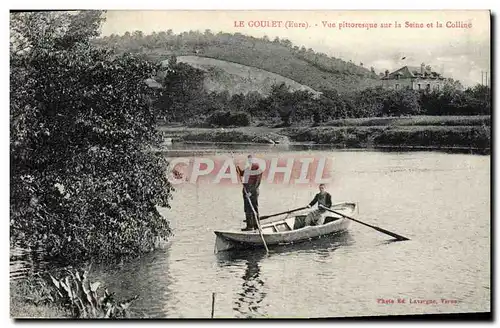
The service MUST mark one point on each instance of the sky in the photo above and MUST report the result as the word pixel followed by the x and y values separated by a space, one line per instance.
pixel 458 52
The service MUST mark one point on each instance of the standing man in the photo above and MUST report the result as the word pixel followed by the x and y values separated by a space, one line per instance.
pixel 322 198
pixel 251 176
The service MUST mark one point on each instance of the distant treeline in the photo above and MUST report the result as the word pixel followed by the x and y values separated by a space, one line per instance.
pixel 185 100
pixel 280 56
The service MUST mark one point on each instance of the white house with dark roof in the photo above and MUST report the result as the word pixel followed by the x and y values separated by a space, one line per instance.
pixel 413 77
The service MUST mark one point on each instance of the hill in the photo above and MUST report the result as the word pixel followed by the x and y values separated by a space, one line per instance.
pixel 316 70
pixel 238 79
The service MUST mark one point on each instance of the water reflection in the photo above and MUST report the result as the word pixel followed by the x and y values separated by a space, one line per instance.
pixel 252 290
pixel 248 301
pixel 391 241
pixel 322 246
pixel 147 276
pixel 24 263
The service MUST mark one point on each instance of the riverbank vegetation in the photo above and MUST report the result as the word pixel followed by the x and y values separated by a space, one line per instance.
pixel 423 120
pixel 71 294
pixel 419 132
pixel 27 301
pixel 396 136
pixel 247 135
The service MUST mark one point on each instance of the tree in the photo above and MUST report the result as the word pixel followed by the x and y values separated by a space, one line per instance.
pixel 238 102
pixel 479 99
pixel 251 101
pixel 401 102
pixel 288 104
pixel 335 105
pixel 452 85
pixel 281 102
pixel 368 102
pixel 83 179
pixel 183 92
pixel 287 43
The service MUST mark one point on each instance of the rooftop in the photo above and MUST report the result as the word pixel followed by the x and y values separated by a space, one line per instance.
pixel 409 72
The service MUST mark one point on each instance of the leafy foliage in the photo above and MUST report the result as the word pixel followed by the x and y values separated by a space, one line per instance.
pixel 291 105
pixel 83 181
pixel 84 298
pixel 453 101
pixel 227 118
pixel 184 94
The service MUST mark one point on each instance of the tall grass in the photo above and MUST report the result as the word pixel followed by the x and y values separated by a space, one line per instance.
pixel 414 120
pixel 29 300
pixel 71 294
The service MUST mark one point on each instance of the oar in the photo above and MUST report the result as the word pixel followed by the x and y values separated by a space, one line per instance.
pixel 253 210
pixel 256 218
pixel 392 234
pixel 287 212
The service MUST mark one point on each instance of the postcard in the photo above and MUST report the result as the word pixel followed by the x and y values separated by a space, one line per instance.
pixel 250 164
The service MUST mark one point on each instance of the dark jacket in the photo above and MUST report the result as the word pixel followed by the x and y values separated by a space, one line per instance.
pixel 253 179
pixel 327 200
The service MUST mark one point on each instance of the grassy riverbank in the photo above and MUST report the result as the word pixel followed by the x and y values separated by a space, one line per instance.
pixel 252 134
pixel 418 131
pixel 401 136
pixel 27 302
pixel 69 294
pixel 423 120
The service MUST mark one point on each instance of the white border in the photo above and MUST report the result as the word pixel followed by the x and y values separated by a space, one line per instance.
pixel 193 5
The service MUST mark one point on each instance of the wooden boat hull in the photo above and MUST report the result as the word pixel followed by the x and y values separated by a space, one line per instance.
pixel 226 240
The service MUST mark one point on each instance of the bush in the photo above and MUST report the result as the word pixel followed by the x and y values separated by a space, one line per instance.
pixel 82 184
pixel 437 136
pixel 71 295
pixel 473 101
pixel 229 118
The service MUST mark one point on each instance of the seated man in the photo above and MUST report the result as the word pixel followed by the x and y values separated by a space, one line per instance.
pixel 315 217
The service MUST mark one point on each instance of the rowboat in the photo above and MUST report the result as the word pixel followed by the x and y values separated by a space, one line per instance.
pixel 286 230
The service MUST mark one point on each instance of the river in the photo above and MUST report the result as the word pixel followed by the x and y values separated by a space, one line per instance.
pixel 440 201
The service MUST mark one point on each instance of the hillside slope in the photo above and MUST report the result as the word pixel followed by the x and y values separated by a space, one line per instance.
pixel 236 78
pixel 304 66
pixel 280 60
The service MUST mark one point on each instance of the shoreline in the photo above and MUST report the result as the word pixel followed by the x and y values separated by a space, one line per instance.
pixel 335 146
pixel 409 137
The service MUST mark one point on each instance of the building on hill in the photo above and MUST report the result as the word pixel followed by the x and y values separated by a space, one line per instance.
pixel 413 77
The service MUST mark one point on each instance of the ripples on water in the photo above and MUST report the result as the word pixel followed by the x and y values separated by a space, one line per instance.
pixel 440 201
